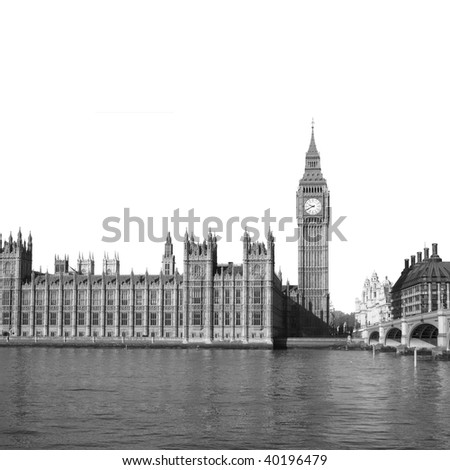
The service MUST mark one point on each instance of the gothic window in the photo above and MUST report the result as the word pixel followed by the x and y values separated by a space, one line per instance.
pixel 216 318
pixel 227 318
pixel 238 296
pixel 124 297
pixel 167 319
pixel 197 320
pixel 153 297
pixel 66 318
pixel 166 269
pixel 124 319
pixel 96 298
pixel 82 298
pixel 53 297
pixel 180 320
pixel 196 295
pixel 257 295
pixel 38 318
pixel 138 319
pixel 168 297
pixel 95 319
pixel 39 297
pixel 238 318
pixel 81 318
pixel 180 298
pixel 197 270
pixel 227 296
pixel 25 318
pixel 109 319
pixel 256 271
pixel 256 320
pixel 139 297
pixel 26 298
pixel 5 318
pixel 216 295
pixel 7 269
pixel 153 318
pixel 68 297
pixel 52 318
pixel 6 299
pixel 110 297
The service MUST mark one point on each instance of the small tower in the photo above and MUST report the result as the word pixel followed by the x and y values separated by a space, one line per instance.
pixel 16 257
pixel 15 268
pixel 200 265
pixel 86 266
pixel 111 265
pixel 168 259
pixel 61 265
pixel 258 278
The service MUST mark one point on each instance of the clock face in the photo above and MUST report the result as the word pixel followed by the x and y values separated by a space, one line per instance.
pixel 313 206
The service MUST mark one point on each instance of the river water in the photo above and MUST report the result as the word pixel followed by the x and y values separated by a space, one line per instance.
pixel 221 399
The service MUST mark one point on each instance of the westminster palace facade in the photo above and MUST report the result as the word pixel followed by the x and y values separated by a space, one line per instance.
pixel 208 302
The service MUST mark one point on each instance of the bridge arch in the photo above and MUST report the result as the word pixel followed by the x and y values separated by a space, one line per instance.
pixel 374 337
pixel 423 335
pixel 393 336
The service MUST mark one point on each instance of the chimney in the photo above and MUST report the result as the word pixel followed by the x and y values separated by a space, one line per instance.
pixel 413 260
pixel 406 263
pixel 426 254
pixel 435 256
pixel 419 256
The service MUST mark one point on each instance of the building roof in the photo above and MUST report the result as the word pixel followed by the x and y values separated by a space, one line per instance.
pixel 312 151
pixel 230 268
pixel 432 269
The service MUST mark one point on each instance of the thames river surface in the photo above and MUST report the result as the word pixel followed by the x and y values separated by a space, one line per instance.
pixel 221 399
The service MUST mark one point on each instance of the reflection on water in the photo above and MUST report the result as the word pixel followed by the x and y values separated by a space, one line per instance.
pixel 221 399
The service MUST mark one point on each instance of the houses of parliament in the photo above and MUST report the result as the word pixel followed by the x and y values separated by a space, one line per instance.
pixel 208 302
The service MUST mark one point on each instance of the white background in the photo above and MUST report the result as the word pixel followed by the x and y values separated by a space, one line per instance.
pixel 203 104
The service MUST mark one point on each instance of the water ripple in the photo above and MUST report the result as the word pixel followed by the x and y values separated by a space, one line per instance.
pixel 221 399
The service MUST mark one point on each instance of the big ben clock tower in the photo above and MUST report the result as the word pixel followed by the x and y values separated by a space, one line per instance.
pixel 313 218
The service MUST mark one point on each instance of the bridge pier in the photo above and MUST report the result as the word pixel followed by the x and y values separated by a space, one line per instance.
pixel 365 335
pixel 405 332
pixel 382 339
pixel 442 341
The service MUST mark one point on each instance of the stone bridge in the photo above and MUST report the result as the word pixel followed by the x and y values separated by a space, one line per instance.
pixel 423 330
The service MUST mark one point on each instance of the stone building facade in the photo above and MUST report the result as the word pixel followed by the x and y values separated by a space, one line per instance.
pixel 210 301
pixel 423 286
pixel 375 304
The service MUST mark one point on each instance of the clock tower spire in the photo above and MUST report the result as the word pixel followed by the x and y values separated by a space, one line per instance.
pixel 313 219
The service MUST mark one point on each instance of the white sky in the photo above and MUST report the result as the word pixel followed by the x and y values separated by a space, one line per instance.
pixel 156 106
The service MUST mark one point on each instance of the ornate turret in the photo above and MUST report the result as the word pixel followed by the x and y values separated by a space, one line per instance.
pixel 61 265
pixel 168 259
pixel 16 266
pixel 86 266
pixel 111 265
